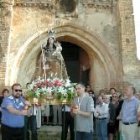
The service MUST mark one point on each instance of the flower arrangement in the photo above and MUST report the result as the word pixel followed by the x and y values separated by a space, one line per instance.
pixel 50 89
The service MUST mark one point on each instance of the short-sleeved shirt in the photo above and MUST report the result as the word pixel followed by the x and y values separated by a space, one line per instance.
pixel 129 110
pixel 84 123
pixel 10 119
pixel 103 109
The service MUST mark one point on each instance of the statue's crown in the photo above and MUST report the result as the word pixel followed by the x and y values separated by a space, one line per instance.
pixel 51 33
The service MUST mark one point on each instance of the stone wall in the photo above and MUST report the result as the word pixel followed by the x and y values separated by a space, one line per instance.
pixel 131 65
pixel 99 27
pixel 5 25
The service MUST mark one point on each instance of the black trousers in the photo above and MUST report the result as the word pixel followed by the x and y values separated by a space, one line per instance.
pixel 10 133
pixel 31 128
pixel 67 122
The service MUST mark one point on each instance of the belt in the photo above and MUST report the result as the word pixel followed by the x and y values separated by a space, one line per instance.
pixel 101 118
pixel 128 123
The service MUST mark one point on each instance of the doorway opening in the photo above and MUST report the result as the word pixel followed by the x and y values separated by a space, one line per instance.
pixel 77 62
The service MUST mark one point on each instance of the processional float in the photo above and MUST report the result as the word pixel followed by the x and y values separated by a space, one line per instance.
pixel 54 85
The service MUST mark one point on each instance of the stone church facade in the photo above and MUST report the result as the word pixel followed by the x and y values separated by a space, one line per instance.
pixel 103 28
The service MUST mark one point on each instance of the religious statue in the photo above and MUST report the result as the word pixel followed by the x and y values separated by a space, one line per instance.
pixel 51 81
pixel 53 61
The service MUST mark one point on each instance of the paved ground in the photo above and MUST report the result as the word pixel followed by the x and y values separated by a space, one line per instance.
pixel 49 133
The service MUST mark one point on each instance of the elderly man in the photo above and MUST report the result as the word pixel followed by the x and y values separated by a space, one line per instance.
pixel 129 115
pixel 82 110
pixel 13 112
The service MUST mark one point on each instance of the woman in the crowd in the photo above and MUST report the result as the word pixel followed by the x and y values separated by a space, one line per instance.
pixel 112 91
pixel 5 92
pixel 112 119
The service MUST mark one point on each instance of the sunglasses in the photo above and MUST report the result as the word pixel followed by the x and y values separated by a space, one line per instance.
pixel 18 90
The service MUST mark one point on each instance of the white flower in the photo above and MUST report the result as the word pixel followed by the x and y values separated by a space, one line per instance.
pixel 71 89
pixel 67 83
pixel 49 89
pixel 62 90
pixel 48 79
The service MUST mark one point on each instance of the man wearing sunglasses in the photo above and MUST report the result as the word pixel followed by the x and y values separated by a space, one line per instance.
pixel 13 112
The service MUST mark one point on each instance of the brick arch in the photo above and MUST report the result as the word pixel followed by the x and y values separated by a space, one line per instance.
pixel 90 42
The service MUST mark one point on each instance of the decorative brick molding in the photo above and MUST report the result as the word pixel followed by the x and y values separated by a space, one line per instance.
pixel 106 4
pixel 36 3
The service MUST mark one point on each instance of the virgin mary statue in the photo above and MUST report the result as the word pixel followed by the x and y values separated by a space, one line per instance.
pixel 52 59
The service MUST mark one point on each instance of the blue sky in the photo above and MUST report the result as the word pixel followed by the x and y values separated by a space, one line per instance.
pixel 136 4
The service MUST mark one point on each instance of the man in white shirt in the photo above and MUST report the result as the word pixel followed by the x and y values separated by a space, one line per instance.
pixel 101 114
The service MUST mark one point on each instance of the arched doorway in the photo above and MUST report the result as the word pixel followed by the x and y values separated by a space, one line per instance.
pixel 103 67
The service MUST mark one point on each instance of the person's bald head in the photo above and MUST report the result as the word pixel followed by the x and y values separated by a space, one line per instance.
pixel 129 90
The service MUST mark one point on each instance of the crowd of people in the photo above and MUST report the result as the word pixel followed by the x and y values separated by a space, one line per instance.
pixel 90 116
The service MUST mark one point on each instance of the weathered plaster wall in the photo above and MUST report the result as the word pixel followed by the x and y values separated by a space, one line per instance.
pixel 5 26
pixel 29 20
pixel 131 65
pixel 95 27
